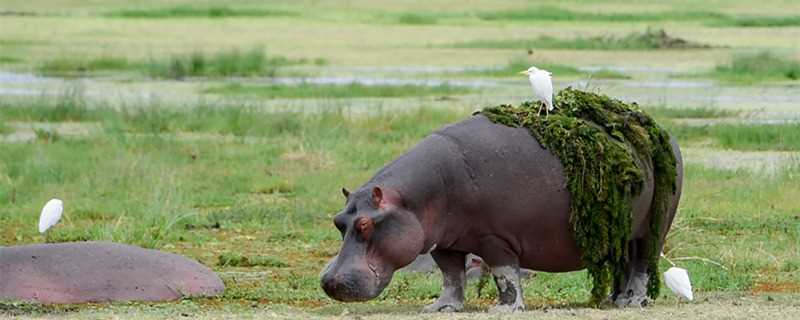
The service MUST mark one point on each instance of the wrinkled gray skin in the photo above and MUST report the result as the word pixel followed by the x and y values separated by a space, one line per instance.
pixel 79 272
pixel 473 187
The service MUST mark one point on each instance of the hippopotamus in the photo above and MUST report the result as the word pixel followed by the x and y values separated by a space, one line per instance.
pixel 475 187
pixel 79 272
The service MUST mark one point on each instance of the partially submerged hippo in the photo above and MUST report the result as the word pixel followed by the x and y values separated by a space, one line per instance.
pixel 473 187
pixel 80 272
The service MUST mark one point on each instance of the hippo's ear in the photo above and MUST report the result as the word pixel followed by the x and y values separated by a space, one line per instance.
pixel 377 196
pixel 385 197
pixel 346 193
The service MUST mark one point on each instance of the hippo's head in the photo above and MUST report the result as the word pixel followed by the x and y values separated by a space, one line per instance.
pixel 379 236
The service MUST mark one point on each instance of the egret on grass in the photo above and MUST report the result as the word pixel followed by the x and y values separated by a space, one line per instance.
pixel 542 85
pixel 51 213
pixel 677 280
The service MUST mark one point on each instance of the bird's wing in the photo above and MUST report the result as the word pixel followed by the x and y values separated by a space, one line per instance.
pixel 543 88
pixel 51 214
pixel 677 280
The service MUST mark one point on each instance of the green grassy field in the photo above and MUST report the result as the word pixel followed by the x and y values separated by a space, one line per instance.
pixel 167 128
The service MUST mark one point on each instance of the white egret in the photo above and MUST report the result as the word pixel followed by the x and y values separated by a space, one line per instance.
pixel 677 280
pixel 542 85
pixel 51 213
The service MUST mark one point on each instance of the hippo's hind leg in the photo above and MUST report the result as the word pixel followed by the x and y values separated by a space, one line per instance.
pixel 632 292
pixel 509 289
pixel 453 280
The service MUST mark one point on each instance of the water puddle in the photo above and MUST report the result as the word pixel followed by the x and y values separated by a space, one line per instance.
pixel 631 69
pixel 368 81
pixel 17 78
pixel 409 69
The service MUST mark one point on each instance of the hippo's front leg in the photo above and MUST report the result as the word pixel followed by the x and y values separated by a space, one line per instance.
pixel 509 289
pixel 453 279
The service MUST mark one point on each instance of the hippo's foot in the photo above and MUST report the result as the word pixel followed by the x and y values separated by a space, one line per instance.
pixel 509 290
pixel 634 294
pixel 624 301
pixel 444 306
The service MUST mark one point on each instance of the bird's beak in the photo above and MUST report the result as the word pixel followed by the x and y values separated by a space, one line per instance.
pixel 523 72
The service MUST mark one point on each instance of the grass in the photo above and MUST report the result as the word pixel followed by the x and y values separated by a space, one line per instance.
pixel 651 39
pixel 690 113
pixel 559 14
pixel 253 62
pixel 761 21
pixel 194 12
pixel 353 90
pixel 783 137
pixel 5 128
pixel 71 66
pixel 167 177
pixel 9 60
pixel 237 260
pixel 213 182
pixel 232 62
pixel 711 18
pixel 757 67
pixel 70 105
pixel 412 18
pixel 515 65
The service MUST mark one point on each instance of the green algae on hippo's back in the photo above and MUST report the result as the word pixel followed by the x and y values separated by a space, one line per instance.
pixel 590 134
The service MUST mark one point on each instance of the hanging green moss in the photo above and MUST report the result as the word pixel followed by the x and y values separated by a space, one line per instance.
pixel 592 135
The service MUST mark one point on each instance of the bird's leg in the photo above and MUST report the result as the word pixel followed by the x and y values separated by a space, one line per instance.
pixel 540 109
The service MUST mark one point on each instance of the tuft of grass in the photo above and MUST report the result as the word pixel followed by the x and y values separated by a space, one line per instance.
pixel 709 17
pixel 238 260
pixel 192 12
pixel 690 113
pixel 651 39
pixel 558 14
pixel 253 62
pixel 760 21
pixel 757 67
pixel 417 19
pixel 232 62
pixel 5 128
pixel 47 136
pixel 353 90
pixel 783 137
pixel 9 60
pixel 71 66
pixel 69 105
pixel 758 137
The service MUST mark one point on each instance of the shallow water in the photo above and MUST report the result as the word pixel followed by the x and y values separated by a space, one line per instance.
pixel 12 77
pixel 779 99
pixel 369 81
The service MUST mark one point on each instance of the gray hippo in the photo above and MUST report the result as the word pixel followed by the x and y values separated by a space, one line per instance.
pixel 474 187
pixel 79 272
